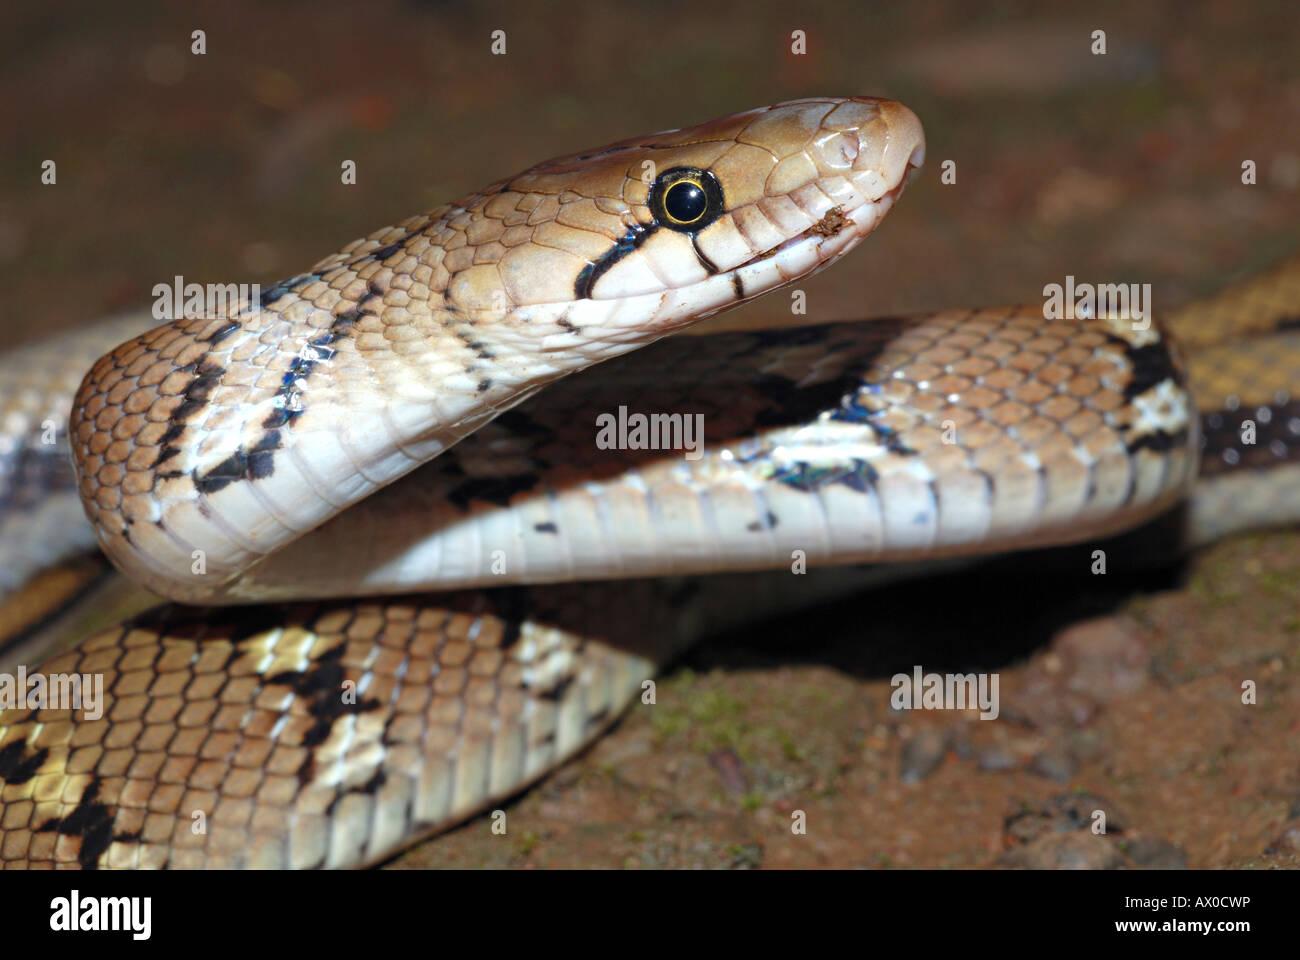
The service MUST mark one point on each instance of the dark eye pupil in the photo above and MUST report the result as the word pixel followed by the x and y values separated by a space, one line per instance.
pixel 685 201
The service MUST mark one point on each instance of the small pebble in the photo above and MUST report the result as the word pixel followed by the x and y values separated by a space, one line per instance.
pixel 1077 850
pixel 1104 658
pixel 730 769
pixel 1077 809
pixel 922 755
pixel 996 759
pixel 1054 763
pixel 1287 839
pixel 1063 813
pixel 1152 853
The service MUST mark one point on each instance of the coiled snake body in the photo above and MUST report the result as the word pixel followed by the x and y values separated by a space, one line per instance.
pixel 232 459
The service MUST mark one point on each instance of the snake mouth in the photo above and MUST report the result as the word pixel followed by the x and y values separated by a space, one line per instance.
pixel 839 229
pixel 853 224
pixel 832 222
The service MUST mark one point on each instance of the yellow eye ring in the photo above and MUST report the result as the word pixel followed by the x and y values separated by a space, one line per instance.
pixel 686 199
pixel 685 202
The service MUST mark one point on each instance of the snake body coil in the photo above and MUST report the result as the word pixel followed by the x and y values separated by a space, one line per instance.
pixel 233 459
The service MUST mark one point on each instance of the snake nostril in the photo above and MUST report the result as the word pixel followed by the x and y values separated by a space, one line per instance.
pixel 839 151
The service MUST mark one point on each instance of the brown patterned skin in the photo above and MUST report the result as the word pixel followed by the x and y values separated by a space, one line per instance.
pixel 40 514
pixel 957 432
pixel 1243 348
pixel 328 735
pixel 238 716
pixel 1242 357
pixel 332 734
pixel 1255 307
pixel 325 735
pixel 230 742
pixel 208 443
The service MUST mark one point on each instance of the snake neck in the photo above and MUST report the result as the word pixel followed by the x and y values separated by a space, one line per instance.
pixel 206 444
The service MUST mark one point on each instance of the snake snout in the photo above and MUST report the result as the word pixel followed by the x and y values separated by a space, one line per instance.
pixel 890 144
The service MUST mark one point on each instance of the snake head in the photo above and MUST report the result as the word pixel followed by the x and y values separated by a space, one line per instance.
pixel 206 444
pixel 647 234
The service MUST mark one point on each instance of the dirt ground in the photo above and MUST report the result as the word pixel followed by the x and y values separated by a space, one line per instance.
pixel 1121 693
pixel 1126 699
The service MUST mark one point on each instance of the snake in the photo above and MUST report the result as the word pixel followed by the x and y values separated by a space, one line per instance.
pixel 404 581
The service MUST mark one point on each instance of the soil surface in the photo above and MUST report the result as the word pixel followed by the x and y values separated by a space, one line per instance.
pixel 1120 693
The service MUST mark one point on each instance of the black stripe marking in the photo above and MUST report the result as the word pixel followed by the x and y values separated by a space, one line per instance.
pixel 556 693
pixel 1152 364
pixel 256 462
pixel 321 685
pixel 34 472
pixel 221 333
pixel 93 823
pixel 1277 438
pixel 277 290
pixel 709 266
pixel 16 766
pixel 1158 441
pixel 593 271
pixel 371 787
pixel 207 376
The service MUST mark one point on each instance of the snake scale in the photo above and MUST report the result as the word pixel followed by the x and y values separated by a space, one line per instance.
pixel 366 434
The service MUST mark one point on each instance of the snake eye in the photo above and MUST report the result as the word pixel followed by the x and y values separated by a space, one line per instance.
pixel 686 199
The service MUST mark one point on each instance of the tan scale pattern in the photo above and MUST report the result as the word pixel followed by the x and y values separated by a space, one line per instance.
pixel 961 431
pixel 921 363
pixel 1252 307
pixel 40 524
pixel 182 734
pixel 1245 374
pixel 228 741
pixel 232 435
pixel 1260 371
pixel 1007 375
pixel 1038 411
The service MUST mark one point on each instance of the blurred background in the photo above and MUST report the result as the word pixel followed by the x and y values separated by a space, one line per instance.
pixel 1125 167
pixel 225 167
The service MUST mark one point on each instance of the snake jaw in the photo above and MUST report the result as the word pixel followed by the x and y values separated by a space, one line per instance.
pixel 831 223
